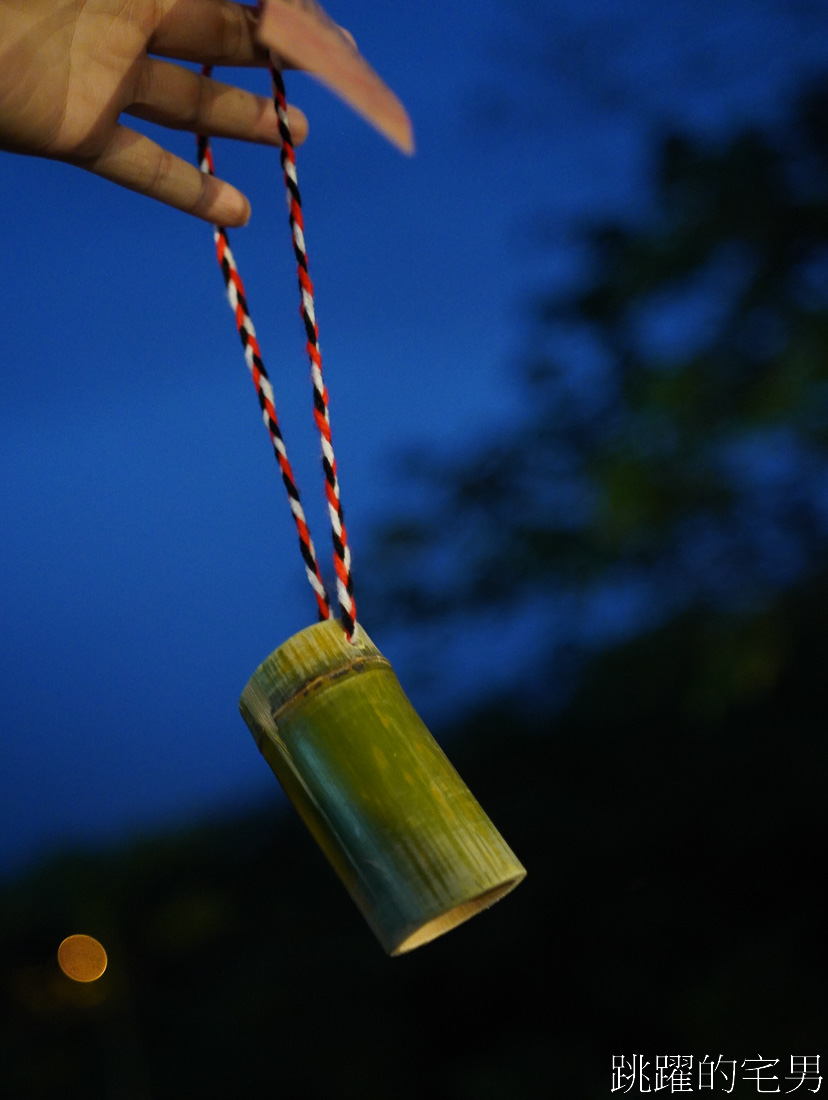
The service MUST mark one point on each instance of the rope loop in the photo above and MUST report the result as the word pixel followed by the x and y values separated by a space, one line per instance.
pixel 342 552
pixel 253 357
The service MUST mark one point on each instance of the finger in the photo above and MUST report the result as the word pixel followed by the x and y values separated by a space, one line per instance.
pixel 215 32
pixel 184 100
pixel 134 161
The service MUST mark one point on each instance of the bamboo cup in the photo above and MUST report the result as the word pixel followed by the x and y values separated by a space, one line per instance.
pixel 397 823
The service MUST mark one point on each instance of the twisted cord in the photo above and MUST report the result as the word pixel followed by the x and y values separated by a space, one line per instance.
pixel 264 390
pixel 342 552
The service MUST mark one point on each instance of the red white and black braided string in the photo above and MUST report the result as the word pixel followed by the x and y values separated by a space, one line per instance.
pixel 264 390
pixel 342 552
pixel 253 357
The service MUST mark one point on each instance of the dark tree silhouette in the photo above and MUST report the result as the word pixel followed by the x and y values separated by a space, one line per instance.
pixel 676 423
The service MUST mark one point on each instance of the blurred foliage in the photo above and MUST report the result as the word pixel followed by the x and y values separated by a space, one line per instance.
pixel 671 817
pixel 676 425
pixel 673 826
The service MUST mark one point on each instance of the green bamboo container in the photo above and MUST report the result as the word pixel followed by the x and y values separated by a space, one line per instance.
pixel 397 823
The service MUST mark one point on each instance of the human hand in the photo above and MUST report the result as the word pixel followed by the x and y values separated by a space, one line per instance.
pixel 70 68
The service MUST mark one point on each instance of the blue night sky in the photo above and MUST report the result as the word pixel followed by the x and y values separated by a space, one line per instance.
pixel 149 561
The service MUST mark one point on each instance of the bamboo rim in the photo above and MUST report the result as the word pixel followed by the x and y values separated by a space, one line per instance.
pixel 458 915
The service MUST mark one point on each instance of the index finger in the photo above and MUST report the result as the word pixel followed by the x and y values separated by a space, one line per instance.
pixel 213 32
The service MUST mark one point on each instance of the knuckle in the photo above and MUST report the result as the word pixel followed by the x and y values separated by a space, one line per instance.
pixel 162 173
pixel 197 106
pixel 233 31
pixel 202 202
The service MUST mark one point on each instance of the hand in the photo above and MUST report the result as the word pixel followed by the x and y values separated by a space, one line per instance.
pixel 70 68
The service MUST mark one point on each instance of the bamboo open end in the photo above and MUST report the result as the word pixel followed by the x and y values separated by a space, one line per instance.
pixel 460 913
